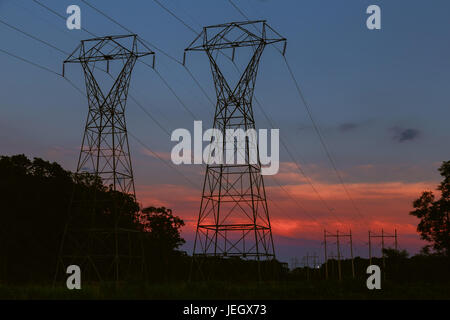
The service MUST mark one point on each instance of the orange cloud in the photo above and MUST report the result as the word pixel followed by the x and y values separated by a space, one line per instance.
pixel 156 154
pixel 382 205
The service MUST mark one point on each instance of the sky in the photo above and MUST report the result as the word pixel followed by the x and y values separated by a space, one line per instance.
pixel 380 98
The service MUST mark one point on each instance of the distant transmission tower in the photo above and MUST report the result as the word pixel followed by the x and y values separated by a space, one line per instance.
pixel 307 261
pixel 383 236
pixel 338 236
pixel 106 154
pixel 234 218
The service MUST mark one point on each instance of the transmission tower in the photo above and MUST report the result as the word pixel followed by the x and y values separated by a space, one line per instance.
pixel 294 263
pixel 105 153
pixel 234 218
pixel 338 237
pixel 307 261
pixel 382 236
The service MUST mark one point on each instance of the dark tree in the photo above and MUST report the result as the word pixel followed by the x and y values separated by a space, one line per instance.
pixel 35 196
pixel 434 223
pixel 162 239
pixel 162 227
pixel 394 254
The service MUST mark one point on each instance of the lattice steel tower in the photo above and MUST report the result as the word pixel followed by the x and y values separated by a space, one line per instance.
pixel 234 217
pixel 105 151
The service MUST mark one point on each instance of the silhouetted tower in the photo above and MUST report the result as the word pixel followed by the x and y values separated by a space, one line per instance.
pixel 234 218
pixel 106 154
pixel 105 150
pixel 338 236
pixel 307 261
pixel 382 236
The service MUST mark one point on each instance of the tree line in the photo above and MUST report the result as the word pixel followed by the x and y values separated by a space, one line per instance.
pixel 35 196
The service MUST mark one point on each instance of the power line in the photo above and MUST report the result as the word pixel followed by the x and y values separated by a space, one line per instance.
pixel 299 168
pixel 238 10
pixel 73 85
pixel 281 138
pixel 284 145
pixel 40 67
pixel 166 83
pixel 322 141
pixel 150 115
pixel 144 110
pixel 162 160
pixel 160 76
pixel 60 16
pixel 190 28
pixel 134 99
pixel 33 63
pixel 30 62
pixel 199 85
pixel 287 149
pixel 109 18
pixel 106 16
pixel 128 30
pixel 175 94
pixel 316 128
pixel 298 204
pixel 174 15
pixel 134 137
pixel 303 173
pixel 81 92
pixel 52 24
pixel 33 37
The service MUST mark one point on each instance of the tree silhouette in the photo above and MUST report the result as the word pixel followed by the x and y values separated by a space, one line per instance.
pixel 162 239
pixel 163 228
pixel 434 223
pixel 35 196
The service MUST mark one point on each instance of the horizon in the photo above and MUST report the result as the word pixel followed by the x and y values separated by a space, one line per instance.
pixel 377 97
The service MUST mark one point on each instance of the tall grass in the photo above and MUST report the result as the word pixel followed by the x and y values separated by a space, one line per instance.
pixel 226 290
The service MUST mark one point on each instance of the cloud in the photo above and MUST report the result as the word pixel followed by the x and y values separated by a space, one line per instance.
pixel 402 135
pixel 384 204
pixel 157 154
pixel 345 127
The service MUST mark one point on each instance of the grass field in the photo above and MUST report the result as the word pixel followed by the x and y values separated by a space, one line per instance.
pixel 221 290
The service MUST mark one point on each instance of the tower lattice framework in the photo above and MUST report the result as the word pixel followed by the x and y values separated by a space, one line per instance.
pixel 104 252
pixel 234 218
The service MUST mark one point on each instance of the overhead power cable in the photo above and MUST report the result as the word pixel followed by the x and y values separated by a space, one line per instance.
pixel 33 37
pixel 172 167
pixel 302 172
pixel 322 140
pixel 316 127
pixel 81 92
pixel 131 96
pixel 284 145
pixel 175 16
pixel 60 16
pixel 324 145
pixel 166 83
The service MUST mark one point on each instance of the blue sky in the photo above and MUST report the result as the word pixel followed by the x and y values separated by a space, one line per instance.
pixel 380 97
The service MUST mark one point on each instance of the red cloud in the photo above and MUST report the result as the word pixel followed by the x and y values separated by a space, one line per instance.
pixel 381 206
